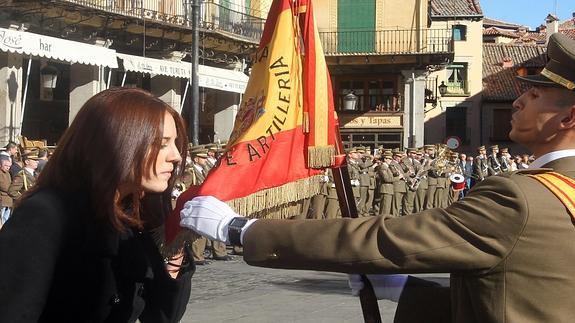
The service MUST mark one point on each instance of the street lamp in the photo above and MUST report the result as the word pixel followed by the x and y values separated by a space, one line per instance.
pixel 442 89
pixel 349 102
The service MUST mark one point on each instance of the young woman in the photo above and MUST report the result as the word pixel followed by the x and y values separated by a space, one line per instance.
pixel 78 247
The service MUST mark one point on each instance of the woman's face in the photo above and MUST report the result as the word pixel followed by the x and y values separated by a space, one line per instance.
pixel 168 156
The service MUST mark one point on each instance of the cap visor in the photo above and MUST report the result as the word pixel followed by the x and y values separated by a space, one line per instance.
pixel 538 80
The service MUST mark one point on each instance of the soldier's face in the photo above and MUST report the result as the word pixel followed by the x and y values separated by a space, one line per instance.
pixel 156 179
pixel 538 117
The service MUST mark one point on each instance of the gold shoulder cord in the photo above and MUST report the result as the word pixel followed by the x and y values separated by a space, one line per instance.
pixel 562 186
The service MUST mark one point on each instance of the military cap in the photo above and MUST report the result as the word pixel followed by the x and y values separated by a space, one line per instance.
pixel 504 150
pixel 494 147
pixel 419 152
pixel 32 154
pixel 394 150
pixel 387 154
pixel 360 149
pixel 560 69
pixel 411 150
pixel 428 146
pixel 199 151
pixel 480 148
pixel 399 153
pixel 351 150
pixel 211 147
pixel 454 154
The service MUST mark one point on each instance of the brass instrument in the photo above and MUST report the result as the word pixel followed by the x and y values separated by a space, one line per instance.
pixel 414 184
pixel 441 160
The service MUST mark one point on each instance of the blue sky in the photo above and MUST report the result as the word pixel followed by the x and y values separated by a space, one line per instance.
pixel 531 13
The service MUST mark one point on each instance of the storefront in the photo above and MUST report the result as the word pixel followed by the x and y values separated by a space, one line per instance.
pixel 49 77
pixel 372 130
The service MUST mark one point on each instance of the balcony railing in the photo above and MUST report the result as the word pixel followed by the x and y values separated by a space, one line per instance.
pixel 373 102
pixel 387 42
pixel 213 16
pixel 457 88
pixel 217 17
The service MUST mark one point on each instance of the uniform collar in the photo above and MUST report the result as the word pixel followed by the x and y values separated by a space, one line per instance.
pixel 549 157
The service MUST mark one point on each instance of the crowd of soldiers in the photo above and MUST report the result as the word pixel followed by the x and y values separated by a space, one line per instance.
pixel 399 182
pixel 19 169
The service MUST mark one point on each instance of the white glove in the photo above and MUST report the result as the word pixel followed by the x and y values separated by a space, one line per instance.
pixel 176 193
pixel 385 286
pixel 355 182
pixel 207 216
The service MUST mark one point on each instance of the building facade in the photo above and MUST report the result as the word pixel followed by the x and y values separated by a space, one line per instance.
pixel 57 56
pixel 390 55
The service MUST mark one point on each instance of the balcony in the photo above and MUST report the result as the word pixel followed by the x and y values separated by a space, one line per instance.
pixel 386 42
pixel 457 88
pixel 213 16
pixel 217 17
pixel 372 103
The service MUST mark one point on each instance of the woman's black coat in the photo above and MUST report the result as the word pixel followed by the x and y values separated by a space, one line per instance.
pixel 56 265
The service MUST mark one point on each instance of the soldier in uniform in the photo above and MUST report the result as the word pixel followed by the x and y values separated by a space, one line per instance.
pixel 364 162
pixel 371 192
pixel 413 168
pixel 480 166
pixel 212 158
pixel 431 179
pixel 354 172
pixel 399 183
pixel 454 168
pixel 506 245
pixel 493 161
pixel 421 192
pixel 386 180
pixel 318 201
pixel 26 177
pixel 504 159
pixel 332 205
pixel 199 171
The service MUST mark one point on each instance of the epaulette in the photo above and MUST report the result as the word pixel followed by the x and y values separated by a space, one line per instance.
pixel 532 171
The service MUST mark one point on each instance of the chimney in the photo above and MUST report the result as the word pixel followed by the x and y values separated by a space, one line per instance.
pixel 552 26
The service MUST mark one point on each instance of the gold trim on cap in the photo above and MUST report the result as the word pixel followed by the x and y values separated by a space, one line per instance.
pixel 558 79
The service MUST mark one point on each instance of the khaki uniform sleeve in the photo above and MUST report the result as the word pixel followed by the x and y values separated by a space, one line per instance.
pixel 16 187
pixel 473 234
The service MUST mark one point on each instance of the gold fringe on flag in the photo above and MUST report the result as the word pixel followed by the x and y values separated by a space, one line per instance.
pixel 271 202
pixel 321 157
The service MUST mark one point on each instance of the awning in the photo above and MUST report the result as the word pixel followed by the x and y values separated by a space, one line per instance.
pixel 22 42
pixel 155 66
pixel 222 79
pixel 210 77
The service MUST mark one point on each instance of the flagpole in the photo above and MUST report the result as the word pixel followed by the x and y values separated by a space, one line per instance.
pixel 194 117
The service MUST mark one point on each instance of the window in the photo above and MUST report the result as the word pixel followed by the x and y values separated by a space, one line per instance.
pixel 457 79
pixel 456 122
pixel 387 139
pixel 459 32
pixel 501 124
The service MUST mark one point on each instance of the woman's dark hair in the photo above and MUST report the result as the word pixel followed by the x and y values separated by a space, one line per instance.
pixel 111 144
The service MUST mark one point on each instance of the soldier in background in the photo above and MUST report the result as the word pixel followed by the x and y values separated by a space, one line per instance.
pixel 431 179
pixel 26 177
pixel 364 162
pixel 493 161
pixel 199 171
pixel 505 160
pixel 399 183
pixel 354 170
pixel 332 204
pixel 212 158
pixel 480 166
pixel 386 180
pixel 6 201
pixel 371 190
pixel 421 192
pixel 318 201
pixel 454 168
pixel 413 167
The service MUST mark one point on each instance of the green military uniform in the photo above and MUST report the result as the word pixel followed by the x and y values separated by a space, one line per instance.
pixel 413 167
pixel 399 186
pixel 332 205
pixel 421 192
pixel 386 180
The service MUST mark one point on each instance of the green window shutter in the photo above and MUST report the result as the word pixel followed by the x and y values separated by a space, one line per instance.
pixel 356 26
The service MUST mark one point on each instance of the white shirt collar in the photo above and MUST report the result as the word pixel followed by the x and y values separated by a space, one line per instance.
pixel 549 157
